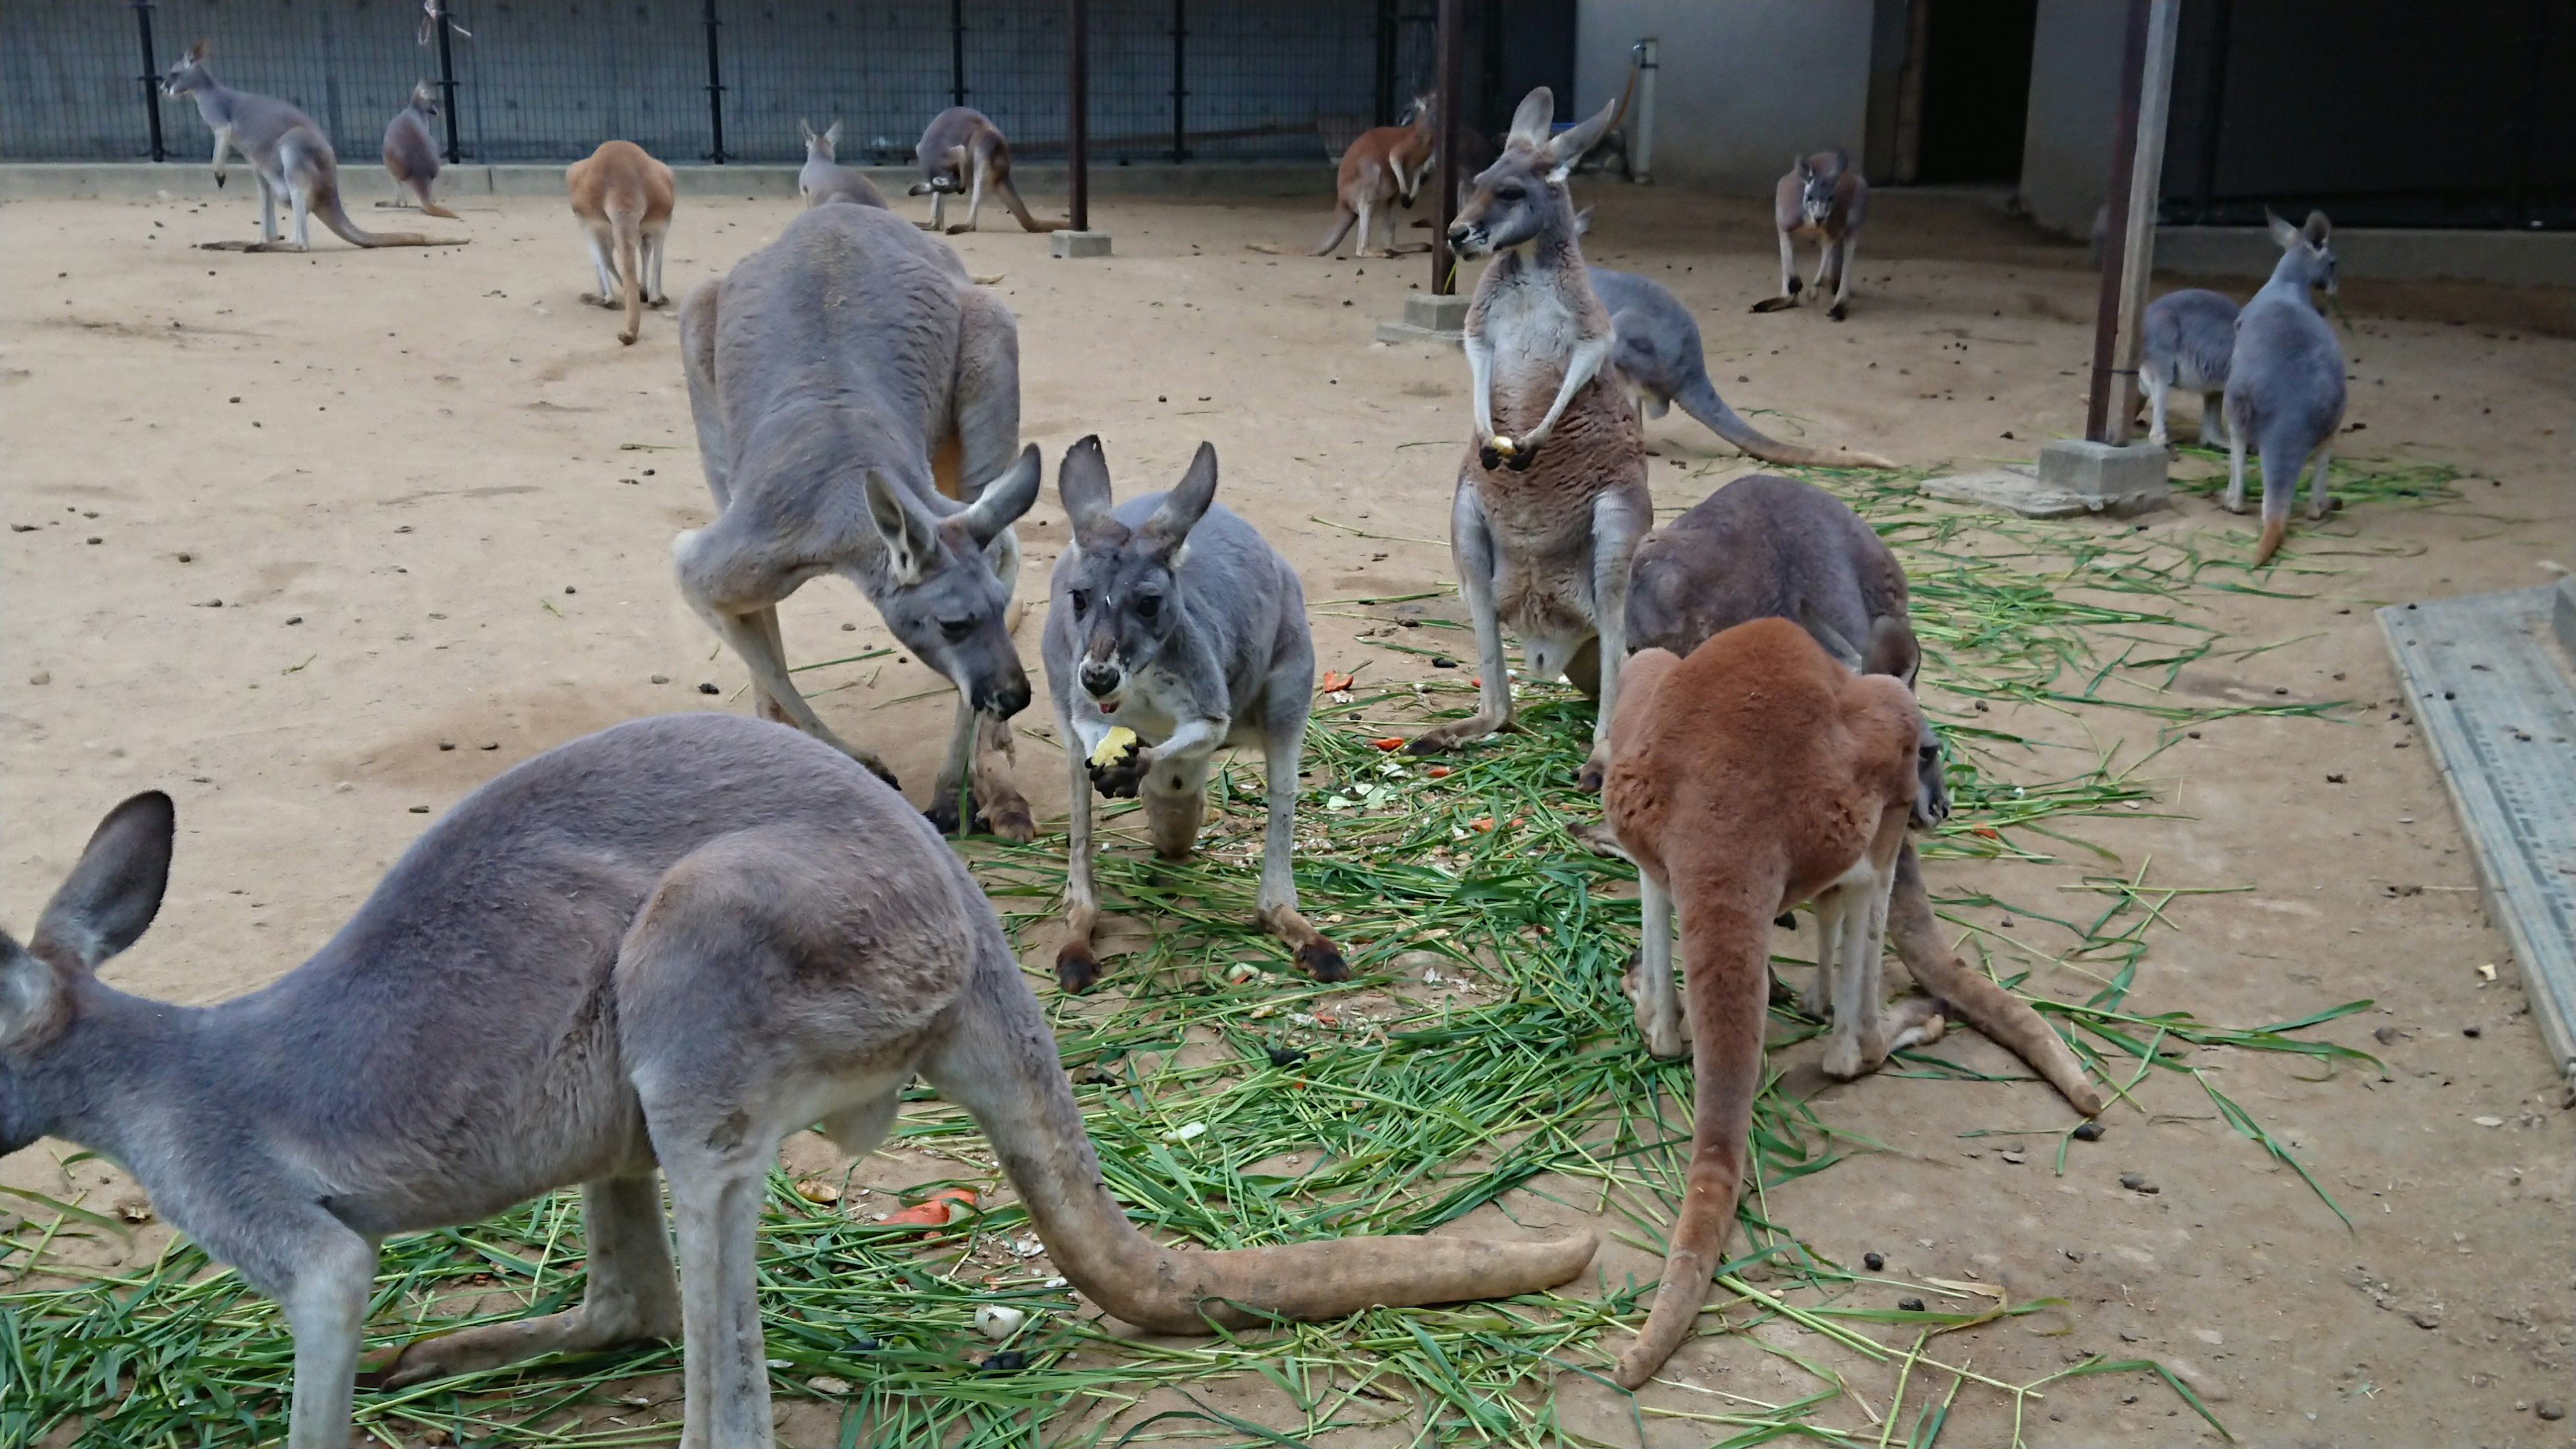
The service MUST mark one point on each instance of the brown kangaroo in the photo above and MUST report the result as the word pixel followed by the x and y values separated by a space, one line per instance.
pixel 1383 168
pixel 623 198
pixel 962 151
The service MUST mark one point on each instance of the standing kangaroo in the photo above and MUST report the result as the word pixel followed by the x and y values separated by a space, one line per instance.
pixel 2285 382
pixel 1541 535
pixel 1821 200
pixel 1185 626
pixel 826 179
pixel 667 945
pixel 287 153
pixel 411 152
pixel 963 151
pixel 2185 341
pixel 623 199
pixel 1382 168
pixel 858 404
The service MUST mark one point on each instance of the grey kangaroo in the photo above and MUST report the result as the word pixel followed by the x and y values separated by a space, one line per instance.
pixel 1771 547
pixel 667 945
pixel 2285 391
pixel 1821 200
pixel 857 404
pixel 1178 621
pixel 962 152
pixel 287 153
pixel 2186 339
pixel 1541 531
pixel 1658 357
pixel 826 179
pixel 411 152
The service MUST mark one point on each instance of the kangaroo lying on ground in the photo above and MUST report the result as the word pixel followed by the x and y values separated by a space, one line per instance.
pixel 857 403
pixel 411 152
pixel 287 153
pixel 825 179
pixel 1185 626
pixel 1382 168
pixel 1821 200
pixel 1659 359
pixel 963 151
pixel 1542 545
pixel 2185 341
pixel 623 198
pixel 1772 547
pixel 668 944
pixel 1754 774
pixel 2285 390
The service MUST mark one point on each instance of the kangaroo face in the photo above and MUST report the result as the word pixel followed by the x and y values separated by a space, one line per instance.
pixel 1121 586
pixel 940 593
pixel 1510 206
pixel 424 100
pixel 1816 192
pixel 1931 786
pixel 188 75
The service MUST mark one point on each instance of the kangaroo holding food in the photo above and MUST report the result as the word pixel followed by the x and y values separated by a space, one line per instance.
pixel 1541 529
pixel 411 152
pixel 2285 392
pixel 2185 342
pixel 858 403
pixel 667 945
pixel 287 153
pixel 1821 200
pixel 1186 632
pixel 1383 168
pixel 963 152
pixel 824 178
pixel 623 199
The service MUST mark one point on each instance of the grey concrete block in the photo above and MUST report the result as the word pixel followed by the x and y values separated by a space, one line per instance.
pixel 2562 617
pixel 1436 314
pixel 2073 478
pixel 1078 243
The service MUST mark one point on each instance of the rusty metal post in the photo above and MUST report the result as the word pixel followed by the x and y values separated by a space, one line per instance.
pixel 1452 47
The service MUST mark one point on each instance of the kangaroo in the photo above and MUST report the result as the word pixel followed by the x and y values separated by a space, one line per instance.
pixel 2186 339
pixel 1770 547
pixel 1544 547
pixel 1183 625
pixel 963 151
pixel 623 198
pixel 2284 390
pixel 1382 168
pixel 1753 774
pixel 287 153
pixel 1821 200
pixel 411 153
pixel 849 385
pixel 666 945
pixel 1658 358
pixel 824 179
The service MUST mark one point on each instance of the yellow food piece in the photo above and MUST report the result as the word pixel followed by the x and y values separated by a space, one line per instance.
pixel 1504 445
pixel 1113 745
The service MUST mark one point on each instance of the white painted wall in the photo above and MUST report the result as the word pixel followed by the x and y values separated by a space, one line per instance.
pixel 1745 84
pixel 2074 91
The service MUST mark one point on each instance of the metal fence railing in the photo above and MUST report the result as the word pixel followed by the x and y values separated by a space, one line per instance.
pixel 723 80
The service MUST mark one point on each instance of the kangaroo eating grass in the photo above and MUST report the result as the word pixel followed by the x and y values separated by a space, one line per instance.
pixel 2185 341
pixel 1185 628
pixel 667 945
pixel 1756 773
pixel 2285 391
pixel 962 151
pixel 1821 200
pixel 858 404
pixel 623 198
pixel 1771 547
pixel 287 153
pixel 1658 357
pixel 411 152
pixel 1541 531
pixel 825 178
pixel 1383 168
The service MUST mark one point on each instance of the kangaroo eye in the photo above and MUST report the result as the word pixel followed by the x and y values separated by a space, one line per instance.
pixel 1081 601
pixel 1508 193
pixel 956 629
pixel 1148 605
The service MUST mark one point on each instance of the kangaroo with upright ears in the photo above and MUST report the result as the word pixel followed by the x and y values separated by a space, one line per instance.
pixel 1384 167
pixel 1821 200
pixel 287 153
pixel 664 947
pixel 1541 530
pixel 623 198
pixel 2285 391
pixel 858 405
pixel 825 179
pixel 962 151
pixel 411 152
pixel 1182 624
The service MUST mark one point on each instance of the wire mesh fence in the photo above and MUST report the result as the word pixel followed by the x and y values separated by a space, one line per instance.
pixel 723 80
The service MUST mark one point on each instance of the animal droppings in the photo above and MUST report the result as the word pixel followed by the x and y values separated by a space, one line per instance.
pixel 706 689
pixel 1009 1360
pixel 1910 1305
pixel 1872 1261
pixel 2089 1131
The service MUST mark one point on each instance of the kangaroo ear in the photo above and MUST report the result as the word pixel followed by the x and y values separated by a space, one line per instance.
pixel 1183 507
pixel 2317 230
pixel 1826 635
pixel 113 893
pixel 31 992
pixel 804 131
pixel 200 50
pixel 911 537
pixel 1568 148
pixel 1799 168
pixel 1529 124
pixel 1583 221
pixel 1083 482
pixel 1004 498
pixel 2283 234
pixel 1892 649
pixel 832 133
pixel 1842 160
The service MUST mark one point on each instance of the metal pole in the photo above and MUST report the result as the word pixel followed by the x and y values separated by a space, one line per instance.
pixel 2146 188
pixel 447 81
pixel 715 87
pixel 2124 160
pixel 151 77
pixel 957 51
pixel 1453 22
pixel 1180 80
pixel 1077 140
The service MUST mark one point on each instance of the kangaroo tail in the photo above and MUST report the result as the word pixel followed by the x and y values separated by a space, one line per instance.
pixel 2004 1018
pixel 1699 399
pixel 326 205
pixel 628 226
pixel 428 207
pixel 1010 195
pixel 1343 220
pixel 2280 482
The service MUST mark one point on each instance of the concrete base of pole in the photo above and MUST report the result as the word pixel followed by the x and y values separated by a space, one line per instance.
pixel 2073 478
pixel 1428 318
pixel 1078 243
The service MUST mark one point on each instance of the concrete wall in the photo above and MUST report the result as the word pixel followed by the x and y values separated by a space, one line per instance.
pixel 2074 91
pixel 1745 84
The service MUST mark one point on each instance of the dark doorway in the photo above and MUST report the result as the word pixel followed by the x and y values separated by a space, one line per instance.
pixel 1976 89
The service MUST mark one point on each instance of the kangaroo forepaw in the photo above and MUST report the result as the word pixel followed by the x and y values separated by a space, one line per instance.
pixel 1523 456
pixel 1594 771
pixel 1837 311
pixel 1488 457
pixel 1120 778
pixel 942 816
pixel 1076 969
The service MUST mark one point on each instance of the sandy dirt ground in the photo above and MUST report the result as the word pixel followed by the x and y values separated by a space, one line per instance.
pixel 318 544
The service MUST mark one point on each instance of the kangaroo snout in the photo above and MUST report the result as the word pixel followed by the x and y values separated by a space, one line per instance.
pixel 1101 678
pixel 1466 240
pixel 1003 697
